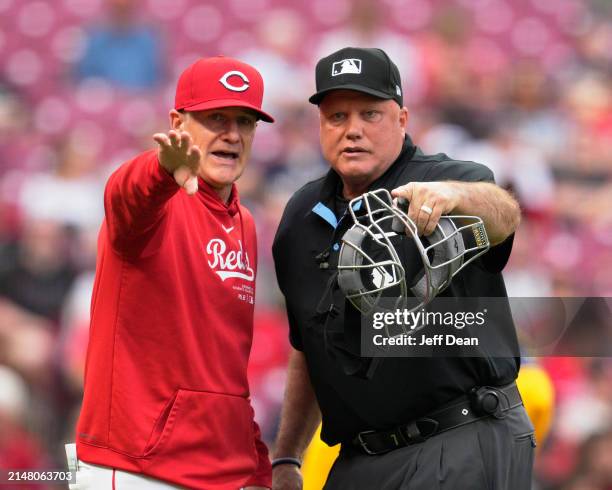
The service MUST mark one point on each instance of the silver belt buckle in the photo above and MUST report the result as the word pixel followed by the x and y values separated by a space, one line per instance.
pixel 363 444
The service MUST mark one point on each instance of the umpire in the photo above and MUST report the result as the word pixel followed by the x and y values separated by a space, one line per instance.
pixel 412 423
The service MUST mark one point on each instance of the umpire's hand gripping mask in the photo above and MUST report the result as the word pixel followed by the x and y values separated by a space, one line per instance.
pixel 383 256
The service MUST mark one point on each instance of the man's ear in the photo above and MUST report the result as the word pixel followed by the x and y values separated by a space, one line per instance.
pixel 177 119
pixel 403 118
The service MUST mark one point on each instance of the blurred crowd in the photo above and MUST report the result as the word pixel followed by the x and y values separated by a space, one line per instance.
pixel 523 86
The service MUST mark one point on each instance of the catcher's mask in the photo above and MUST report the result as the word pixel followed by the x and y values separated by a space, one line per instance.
pixel 378 253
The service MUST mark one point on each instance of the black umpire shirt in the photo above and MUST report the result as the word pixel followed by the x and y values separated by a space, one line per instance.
pixel 325 327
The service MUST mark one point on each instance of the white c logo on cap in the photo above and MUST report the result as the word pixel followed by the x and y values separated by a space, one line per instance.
pixel 231 87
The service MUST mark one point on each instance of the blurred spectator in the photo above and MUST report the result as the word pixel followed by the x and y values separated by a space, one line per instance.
pixel 596 458
pixel 301 160
pixel 277 55
pixel 18 448
pixel 16 136
pixel 443 48
pixel 35 273
pixel 26 343
pixel 533 104
pixel 71 195
pixel 368 27
pixel 595 398
pixel 594 470
pixel 122 50
pixel 588 103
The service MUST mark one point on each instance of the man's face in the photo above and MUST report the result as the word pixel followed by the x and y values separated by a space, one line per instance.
pixel 225 137
pixel 360 136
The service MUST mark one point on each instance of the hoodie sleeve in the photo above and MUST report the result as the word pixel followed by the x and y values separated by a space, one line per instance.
pixel 135 201
pixel 263 474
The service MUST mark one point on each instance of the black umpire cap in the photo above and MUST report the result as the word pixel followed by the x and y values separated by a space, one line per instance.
pixel 368 70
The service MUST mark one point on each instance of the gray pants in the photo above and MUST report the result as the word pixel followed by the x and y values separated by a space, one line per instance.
pixel 489 454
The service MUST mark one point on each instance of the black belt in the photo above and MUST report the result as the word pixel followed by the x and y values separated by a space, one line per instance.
pixel 481 402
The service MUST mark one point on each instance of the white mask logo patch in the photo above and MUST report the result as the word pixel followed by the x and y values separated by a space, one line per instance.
pixel 349 65
pixel 381 278
pixel 235 88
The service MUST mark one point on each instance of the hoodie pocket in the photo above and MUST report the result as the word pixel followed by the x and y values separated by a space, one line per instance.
pixel 205 436
pixel 163 425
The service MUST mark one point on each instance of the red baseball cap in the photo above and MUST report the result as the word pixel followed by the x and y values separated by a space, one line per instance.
pixel 212 83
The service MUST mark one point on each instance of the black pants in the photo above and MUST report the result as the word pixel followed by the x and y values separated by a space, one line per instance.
pixel 489 454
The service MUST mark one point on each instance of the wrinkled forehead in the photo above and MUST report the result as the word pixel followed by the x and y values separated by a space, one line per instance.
pixel 344 97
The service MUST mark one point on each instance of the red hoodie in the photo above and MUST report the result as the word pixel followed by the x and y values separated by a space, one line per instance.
pixel 166 391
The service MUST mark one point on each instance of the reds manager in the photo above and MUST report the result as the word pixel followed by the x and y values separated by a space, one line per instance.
pixel 166 399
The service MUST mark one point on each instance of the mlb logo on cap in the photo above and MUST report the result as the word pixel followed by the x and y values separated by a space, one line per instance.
pixel 350 65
